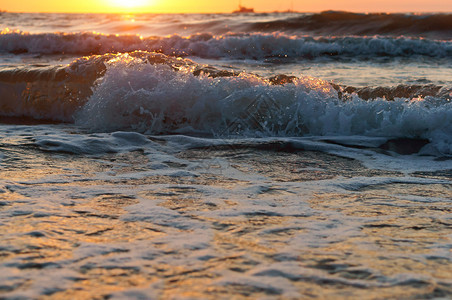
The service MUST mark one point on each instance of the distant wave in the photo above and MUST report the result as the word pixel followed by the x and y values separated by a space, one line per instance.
pixel 328 23
pixel 157 94
pixel 241 46
pixel 347 23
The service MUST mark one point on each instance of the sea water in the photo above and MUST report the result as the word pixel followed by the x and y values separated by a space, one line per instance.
pixel 226 156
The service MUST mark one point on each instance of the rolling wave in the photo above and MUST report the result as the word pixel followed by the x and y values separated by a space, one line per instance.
pixel 347 23
pixel 255 46
pixel 156 94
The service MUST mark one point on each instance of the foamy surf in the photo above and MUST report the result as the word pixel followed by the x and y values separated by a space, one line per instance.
pixel 231 45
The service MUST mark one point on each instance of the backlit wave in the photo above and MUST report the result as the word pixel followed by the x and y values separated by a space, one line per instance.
pixel 155 94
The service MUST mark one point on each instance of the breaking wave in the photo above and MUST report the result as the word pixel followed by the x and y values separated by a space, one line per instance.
pixel 240 46
pixel 156 94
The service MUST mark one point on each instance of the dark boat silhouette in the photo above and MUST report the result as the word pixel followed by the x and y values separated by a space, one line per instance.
pixel 243 9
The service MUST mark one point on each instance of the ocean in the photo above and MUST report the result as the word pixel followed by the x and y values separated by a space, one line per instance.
pixel 226 156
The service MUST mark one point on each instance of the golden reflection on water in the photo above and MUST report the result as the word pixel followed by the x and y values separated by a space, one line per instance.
pixel 385 233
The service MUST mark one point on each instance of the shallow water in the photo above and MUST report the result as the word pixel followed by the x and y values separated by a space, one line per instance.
pixel 251 157
pixel 139 216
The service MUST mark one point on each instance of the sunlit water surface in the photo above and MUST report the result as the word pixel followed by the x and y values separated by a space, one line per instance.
pixel 292 156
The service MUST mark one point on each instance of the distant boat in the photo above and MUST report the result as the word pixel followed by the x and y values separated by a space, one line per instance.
pixel 243 9
pixel 290 10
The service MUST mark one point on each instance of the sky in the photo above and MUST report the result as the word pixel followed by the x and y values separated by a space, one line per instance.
pixel 209 6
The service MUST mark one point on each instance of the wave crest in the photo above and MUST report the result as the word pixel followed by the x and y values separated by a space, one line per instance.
pixel 153 98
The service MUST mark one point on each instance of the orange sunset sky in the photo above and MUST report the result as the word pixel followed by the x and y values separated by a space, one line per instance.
pixel 209 6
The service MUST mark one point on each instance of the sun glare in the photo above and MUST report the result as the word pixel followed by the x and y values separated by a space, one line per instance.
pixel 129 4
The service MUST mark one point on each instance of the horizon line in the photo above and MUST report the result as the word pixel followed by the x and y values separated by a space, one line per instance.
pixel 223 12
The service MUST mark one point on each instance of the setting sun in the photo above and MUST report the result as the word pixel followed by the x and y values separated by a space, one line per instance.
pixel 129 3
